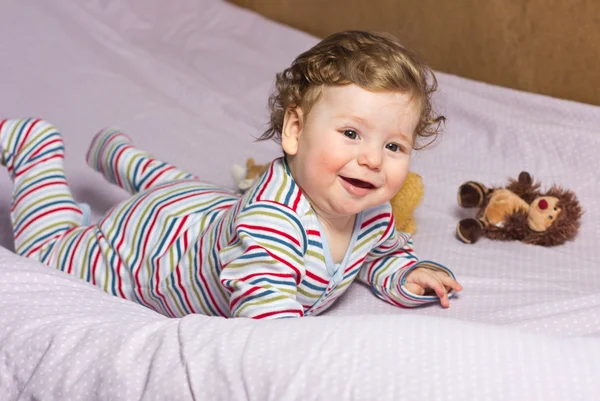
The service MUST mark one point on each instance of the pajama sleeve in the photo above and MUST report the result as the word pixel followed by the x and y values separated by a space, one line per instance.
pixel 263 262
pixel 387 265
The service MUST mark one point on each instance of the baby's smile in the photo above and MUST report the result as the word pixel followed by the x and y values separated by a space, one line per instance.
pixel 357 187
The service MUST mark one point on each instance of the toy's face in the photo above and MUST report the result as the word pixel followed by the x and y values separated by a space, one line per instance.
pixel 543 211
pixel 352 151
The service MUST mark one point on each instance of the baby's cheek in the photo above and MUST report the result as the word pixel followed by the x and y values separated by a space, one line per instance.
pixel 329 160
pixel 396 180
pixel 389 194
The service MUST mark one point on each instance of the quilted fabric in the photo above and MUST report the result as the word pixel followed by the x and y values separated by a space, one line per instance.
pixel 189 82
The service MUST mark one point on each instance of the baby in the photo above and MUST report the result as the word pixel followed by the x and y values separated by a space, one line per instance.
pixel 347 112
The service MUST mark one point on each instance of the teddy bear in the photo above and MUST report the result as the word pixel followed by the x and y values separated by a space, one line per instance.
pixel 245 177
pixel 404 203
pixel 519 211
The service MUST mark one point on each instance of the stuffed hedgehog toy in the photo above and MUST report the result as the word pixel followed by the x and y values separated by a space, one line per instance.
pixel 520 212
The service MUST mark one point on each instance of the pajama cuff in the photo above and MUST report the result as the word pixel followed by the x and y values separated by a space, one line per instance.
pixel 421 299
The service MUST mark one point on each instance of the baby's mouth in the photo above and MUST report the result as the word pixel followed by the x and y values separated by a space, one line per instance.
pixel 358 183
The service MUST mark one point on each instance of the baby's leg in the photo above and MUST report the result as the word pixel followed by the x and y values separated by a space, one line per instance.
pixel 112 154
pixel 42 205
pixel 47 223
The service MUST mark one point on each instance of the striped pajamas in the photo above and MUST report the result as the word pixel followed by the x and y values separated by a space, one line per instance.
pixel 180 246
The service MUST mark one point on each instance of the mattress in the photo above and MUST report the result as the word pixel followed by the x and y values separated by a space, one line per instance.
pixel 188 81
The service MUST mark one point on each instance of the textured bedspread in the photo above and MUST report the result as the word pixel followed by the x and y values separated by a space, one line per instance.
pixel 188 82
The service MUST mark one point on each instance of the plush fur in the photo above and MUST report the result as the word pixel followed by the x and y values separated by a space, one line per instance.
pixel 515 225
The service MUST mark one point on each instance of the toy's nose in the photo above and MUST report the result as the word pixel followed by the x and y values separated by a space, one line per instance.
pixel 543 204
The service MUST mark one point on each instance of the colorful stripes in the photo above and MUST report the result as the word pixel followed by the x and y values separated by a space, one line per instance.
pixel 180 246
pixel 42 207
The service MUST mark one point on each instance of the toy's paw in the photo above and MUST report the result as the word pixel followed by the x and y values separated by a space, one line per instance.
pixel 469 230
pixel 238 173
pixel 472 194
pixel 246 183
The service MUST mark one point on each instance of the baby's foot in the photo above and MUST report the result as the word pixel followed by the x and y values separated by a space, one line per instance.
pixel 104 147
pixel 9 133
pixel 26 141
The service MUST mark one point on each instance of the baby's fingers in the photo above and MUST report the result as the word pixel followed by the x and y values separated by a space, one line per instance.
pixel 430 280
pixel 414 288
pixel 441 292
pixel 450 283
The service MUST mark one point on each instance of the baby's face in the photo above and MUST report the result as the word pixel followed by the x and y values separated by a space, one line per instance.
pixel 352 151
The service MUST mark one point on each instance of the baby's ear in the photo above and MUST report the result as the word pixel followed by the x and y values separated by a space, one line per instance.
pixel 292 128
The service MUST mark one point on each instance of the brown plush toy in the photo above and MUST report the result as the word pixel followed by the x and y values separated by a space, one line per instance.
pixel 519 212
pixel 245 177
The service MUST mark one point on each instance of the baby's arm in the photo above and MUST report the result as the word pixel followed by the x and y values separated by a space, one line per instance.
pixel 396 275
pixel 264 262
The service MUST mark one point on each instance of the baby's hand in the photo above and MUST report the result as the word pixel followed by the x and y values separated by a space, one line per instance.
pixel 422 281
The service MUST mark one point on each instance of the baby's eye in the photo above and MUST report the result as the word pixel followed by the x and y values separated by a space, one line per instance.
pixel 350 133
pixel 394 147
pixel 550 217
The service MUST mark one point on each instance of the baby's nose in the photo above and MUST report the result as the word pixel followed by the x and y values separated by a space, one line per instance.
pixel 543 204
pixel 371 158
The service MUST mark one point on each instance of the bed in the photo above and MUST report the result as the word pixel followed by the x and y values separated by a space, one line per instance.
pixel 189 81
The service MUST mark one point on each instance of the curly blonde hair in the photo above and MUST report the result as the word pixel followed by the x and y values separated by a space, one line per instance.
pixel 372 61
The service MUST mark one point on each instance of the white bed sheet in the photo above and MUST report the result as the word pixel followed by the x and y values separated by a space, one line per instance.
pixel 189 81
